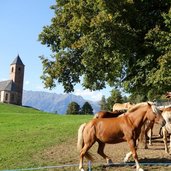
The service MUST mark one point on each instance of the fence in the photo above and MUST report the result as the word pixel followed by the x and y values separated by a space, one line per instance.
pixel 89 166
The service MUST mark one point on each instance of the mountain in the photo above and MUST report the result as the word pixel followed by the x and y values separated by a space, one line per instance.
pixel 52 102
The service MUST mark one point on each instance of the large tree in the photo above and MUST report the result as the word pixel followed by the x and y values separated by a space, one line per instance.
pixel 115 97
pixel 103 103
pixel 119 43
pixel 86 108
pixel 73 108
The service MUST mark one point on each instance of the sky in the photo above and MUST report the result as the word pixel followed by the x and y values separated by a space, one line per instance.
pixel 21 21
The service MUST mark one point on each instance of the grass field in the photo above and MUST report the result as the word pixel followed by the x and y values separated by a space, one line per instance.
pixel 25 133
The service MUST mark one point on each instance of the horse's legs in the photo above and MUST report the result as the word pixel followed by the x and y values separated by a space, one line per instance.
pixel 134 154
pixel 165 139
pixel 100 151
pixel 170 145
pixel 89 140
pixel 149 131
pixel 84 152
pixel 128 155
pixel 142 140
pixel 150 136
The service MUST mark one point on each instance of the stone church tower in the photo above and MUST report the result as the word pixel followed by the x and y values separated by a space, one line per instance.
pixel 17 76
pixel 11 91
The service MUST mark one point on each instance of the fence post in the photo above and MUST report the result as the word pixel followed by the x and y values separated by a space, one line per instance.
pixel 89 165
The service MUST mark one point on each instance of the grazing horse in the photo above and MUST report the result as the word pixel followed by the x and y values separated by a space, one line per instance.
pixel 115 130
pixel 122 106
pixel 106 114
pixel 166 130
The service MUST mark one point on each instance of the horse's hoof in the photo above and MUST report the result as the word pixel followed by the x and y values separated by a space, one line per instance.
pixel 125 159
pixel 140 169
pixel 82 169
pixel 109 161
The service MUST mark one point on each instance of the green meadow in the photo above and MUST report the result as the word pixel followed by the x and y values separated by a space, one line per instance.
pixel 25 133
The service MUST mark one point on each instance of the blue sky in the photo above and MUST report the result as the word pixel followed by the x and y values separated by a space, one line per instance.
pixel 21 21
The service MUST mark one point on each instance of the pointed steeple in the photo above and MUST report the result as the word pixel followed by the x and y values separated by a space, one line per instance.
pixel 18 61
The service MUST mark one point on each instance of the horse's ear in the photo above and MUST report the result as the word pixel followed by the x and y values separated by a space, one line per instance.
pixel 162 109
pixel 150 103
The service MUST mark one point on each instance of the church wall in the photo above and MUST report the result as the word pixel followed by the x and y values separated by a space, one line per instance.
pixel 1 92
pixel 2 96
pixel 5 96
pixel 9 97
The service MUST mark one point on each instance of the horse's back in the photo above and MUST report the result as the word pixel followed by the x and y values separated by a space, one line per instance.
pixel 108 123
pixel 106 114
pixel 122 106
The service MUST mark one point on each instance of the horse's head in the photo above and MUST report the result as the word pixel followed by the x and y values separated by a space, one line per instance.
pixel 154 113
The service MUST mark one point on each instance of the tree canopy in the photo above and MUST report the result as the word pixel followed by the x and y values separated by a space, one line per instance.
pixel 121 43
pixel 73 108
pixel 86 108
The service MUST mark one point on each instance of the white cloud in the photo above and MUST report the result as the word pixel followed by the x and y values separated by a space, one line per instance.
pixel 89 95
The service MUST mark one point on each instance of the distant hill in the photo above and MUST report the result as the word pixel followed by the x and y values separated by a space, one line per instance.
pixel 52 102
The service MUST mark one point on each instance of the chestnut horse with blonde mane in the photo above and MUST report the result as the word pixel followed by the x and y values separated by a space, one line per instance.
pixel 126 127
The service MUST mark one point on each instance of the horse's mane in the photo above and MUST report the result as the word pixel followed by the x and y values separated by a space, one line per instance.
pixel 135 107
pixel 155 109
pixel 153 106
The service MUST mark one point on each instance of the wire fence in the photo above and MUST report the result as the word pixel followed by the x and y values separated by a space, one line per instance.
pixel 89 165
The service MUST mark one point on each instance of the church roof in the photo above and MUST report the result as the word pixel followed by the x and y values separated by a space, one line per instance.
pixel 18 61
pixel 8 85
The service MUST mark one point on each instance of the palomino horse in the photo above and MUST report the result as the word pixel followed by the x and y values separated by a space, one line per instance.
pixel 115 130
pixel 166 130
pixel 122 106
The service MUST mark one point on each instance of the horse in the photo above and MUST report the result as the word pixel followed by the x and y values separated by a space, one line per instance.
pixel 115 130
pixel 122 106
pixel 146 130
pixel 166 130
pixel 107 114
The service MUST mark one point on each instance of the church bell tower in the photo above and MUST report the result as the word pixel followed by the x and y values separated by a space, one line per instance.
pixel 17 76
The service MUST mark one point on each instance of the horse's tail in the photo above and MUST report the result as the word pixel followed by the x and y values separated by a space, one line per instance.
pixel 80 141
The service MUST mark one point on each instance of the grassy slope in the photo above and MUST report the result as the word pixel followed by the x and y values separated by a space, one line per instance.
pixel 25 132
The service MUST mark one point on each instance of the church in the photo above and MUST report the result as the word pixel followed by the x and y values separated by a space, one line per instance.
pixel 11 90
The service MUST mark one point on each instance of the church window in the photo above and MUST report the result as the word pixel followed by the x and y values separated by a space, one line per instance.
pixel 19 69
pixel 6 97
pixel 12 70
